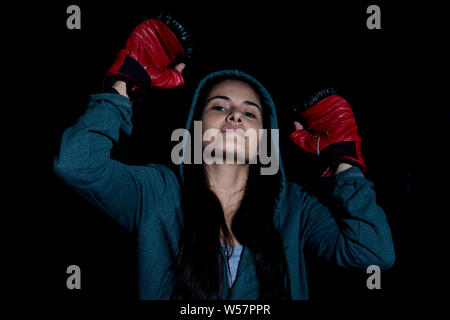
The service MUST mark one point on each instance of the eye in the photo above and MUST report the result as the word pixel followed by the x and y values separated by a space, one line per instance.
pixel 250 115
pixel 218 108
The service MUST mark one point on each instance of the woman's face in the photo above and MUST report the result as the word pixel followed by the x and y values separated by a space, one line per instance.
pixel 234 109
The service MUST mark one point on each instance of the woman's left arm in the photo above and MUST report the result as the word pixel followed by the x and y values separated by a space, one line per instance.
pixel 357 234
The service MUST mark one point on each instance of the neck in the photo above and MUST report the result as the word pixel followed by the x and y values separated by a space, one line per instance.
pixel 226 178
pixel 228 182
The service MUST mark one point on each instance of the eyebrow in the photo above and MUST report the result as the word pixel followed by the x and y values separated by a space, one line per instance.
pixel 250 103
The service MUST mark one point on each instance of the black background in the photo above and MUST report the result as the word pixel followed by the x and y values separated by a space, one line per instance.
pixel 396 80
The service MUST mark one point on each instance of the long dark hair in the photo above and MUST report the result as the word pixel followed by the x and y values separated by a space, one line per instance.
pixel 199 266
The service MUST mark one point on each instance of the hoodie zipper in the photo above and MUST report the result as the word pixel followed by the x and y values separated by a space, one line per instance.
pixel 227 267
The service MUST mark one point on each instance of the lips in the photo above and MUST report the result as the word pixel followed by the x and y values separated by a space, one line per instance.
pixel 234 130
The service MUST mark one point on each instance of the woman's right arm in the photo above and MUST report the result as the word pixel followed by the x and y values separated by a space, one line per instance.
pixel 85 165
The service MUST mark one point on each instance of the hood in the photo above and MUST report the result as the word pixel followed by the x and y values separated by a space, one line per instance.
pixel 265 96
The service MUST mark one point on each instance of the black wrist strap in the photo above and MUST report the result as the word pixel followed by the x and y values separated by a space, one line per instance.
pixel 110 90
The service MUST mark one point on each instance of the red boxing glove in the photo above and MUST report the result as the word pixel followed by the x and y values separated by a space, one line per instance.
pixel 150 51
pixel 331 133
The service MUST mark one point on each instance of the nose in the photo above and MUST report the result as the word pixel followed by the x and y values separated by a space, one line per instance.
pixel 234 116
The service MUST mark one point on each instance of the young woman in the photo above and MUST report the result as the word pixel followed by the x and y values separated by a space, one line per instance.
pixel 222 230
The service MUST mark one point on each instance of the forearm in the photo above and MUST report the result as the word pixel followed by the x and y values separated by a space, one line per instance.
pixel 84 161
pixel 365 234
pixel 355 232
pixel 86 145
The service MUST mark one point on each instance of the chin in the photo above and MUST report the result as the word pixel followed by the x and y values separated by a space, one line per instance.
pixel 239 155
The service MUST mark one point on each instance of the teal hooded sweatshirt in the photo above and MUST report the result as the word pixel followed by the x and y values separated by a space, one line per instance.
pixel 146 200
